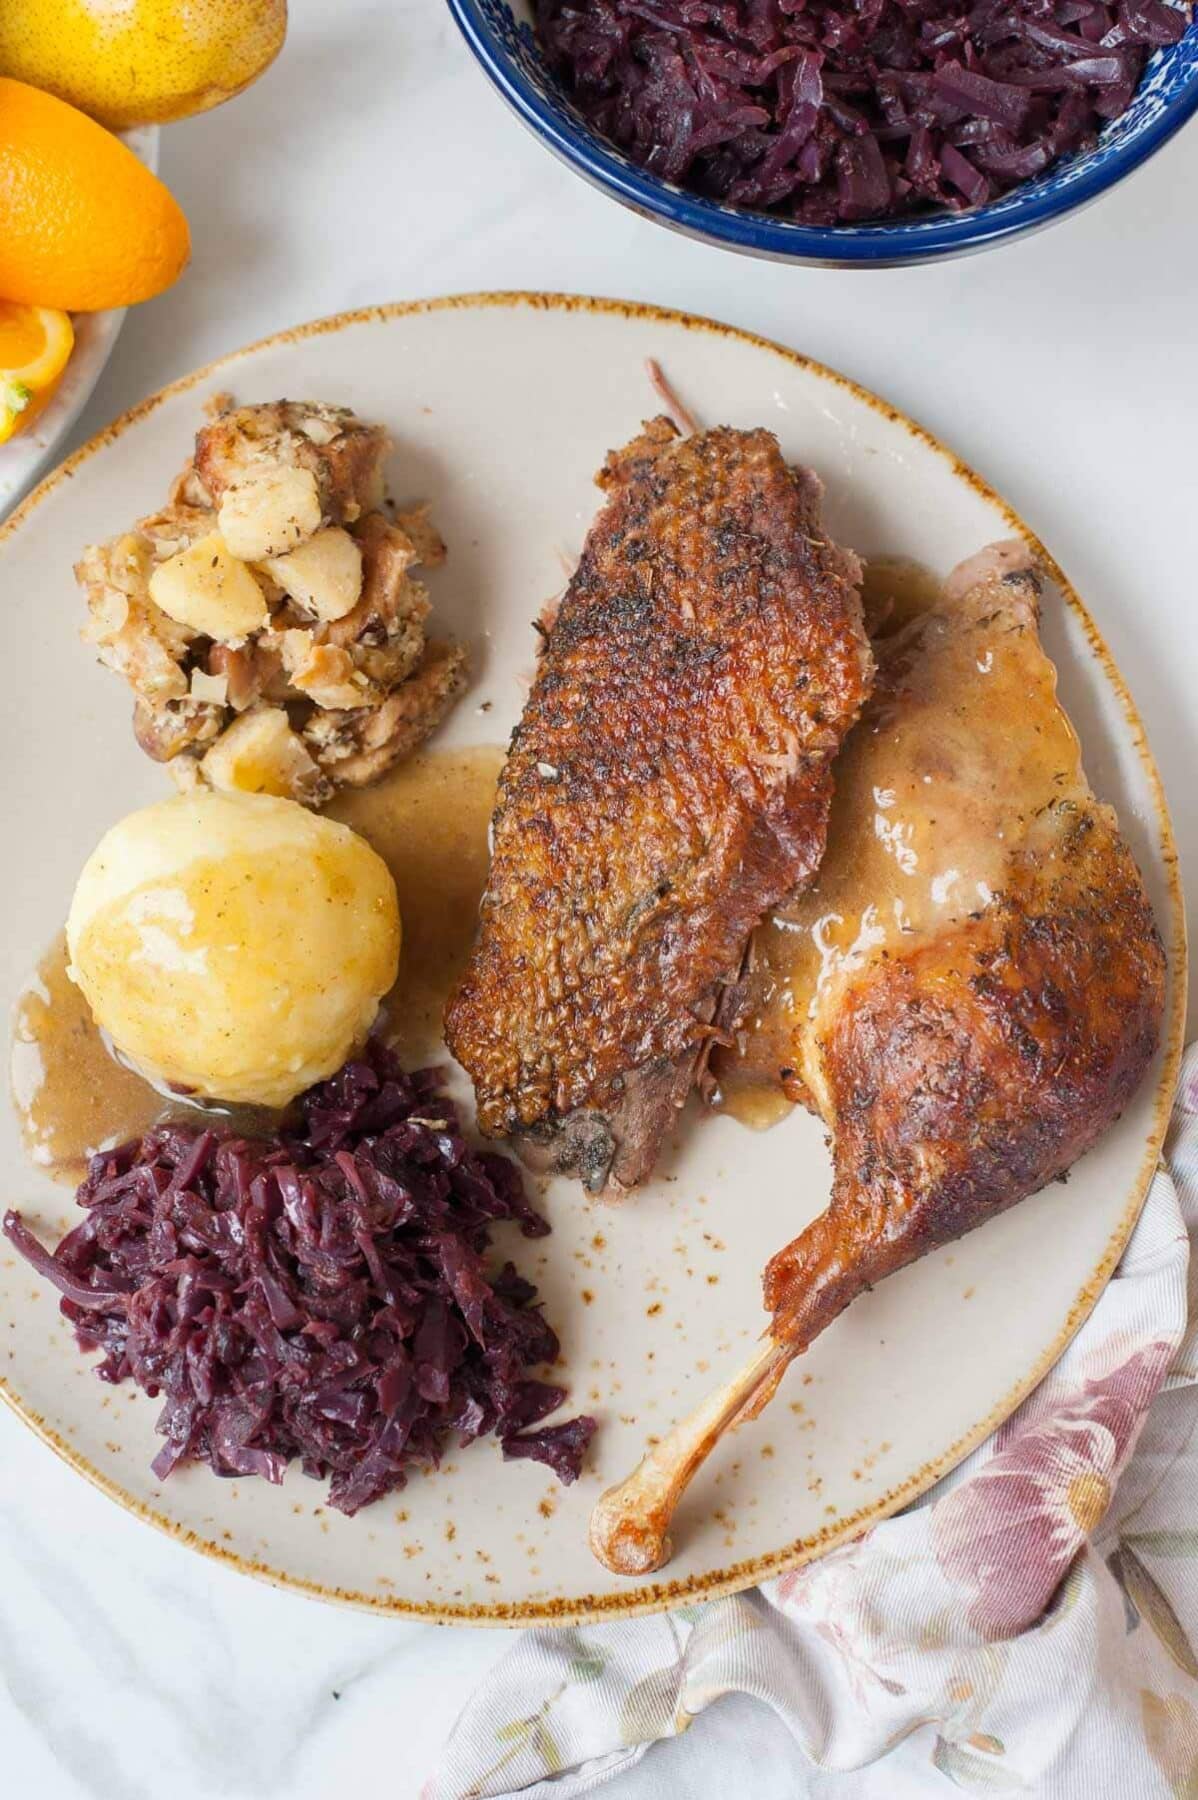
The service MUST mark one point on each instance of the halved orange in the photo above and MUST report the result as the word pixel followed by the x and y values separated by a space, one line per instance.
pixel 35 347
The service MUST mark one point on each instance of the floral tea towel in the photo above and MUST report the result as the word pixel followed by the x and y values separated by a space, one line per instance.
pixel 1028 1628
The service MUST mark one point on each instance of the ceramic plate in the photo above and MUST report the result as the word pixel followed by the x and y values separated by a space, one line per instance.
pixel 24 457
pixel 502 408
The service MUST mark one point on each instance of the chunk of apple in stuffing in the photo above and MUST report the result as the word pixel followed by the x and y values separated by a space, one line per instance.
pixel 269 511
pixel 210 591
pixel 260 754
pixel 323 576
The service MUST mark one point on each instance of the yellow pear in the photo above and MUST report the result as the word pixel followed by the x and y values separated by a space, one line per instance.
pixel 142 62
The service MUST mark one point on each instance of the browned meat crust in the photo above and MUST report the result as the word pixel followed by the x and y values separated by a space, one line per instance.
pixel 973 1072
pixel 668 783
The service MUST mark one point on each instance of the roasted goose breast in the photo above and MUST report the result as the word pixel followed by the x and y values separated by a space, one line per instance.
pixel 668 783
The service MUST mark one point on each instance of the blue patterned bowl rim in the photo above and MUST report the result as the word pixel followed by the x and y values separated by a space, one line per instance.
pixel 507 51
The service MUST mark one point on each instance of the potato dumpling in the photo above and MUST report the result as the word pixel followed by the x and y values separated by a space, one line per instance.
pixel 234 945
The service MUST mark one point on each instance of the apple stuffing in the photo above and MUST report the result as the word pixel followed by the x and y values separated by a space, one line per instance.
pixel 267 618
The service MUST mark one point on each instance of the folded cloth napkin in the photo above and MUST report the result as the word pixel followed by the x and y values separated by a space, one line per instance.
pixel 1025 1628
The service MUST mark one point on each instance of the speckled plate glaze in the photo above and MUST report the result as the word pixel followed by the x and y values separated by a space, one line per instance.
pixel 502 407
pixel 24 457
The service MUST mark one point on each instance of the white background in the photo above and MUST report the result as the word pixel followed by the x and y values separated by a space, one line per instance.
pixel 373 163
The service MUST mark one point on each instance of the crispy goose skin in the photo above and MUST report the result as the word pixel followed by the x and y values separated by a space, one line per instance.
pixel 969 995
pixel 967 1075
pixel 669 783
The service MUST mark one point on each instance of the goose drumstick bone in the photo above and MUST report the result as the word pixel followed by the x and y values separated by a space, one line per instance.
pixel 630 1525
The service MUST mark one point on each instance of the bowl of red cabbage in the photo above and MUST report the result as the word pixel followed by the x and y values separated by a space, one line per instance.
pixel 817 131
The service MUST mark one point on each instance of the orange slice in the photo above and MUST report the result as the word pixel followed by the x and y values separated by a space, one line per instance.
pixel 35 347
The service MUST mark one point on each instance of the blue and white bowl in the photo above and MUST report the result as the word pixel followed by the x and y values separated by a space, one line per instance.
pixel 501 36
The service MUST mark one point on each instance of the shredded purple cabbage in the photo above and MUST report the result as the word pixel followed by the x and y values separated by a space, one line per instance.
pixel 829 113
pixel 322 1294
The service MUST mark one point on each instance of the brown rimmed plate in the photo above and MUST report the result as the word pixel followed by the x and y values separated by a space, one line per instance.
pixel 502 406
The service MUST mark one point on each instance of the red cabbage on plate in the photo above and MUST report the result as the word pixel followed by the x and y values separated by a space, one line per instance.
pixel 323 1294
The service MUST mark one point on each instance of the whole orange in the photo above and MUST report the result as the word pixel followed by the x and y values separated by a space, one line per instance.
pixel 83 224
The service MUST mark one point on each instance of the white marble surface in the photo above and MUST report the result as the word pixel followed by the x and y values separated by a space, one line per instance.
pixel 372 163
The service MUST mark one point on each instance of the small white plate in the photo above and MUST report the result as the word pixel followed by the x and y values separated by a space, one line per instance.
pixel 502 407
pixel 25 456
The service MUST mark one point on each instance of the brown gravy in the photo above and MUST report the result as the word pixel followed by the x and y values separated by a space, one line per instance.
pixel 72 1095
pixel 428 820
pixel 894 590
pixel 962 759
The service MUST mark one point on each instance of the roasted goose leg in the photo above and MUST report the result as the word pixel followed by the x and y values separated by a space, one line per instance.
pixel 969 996
pixel 668 784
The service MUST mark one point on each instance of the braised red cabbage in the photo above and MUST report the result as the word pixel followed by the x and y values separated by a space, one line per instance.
pixel 321 1295
pixel 828 113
